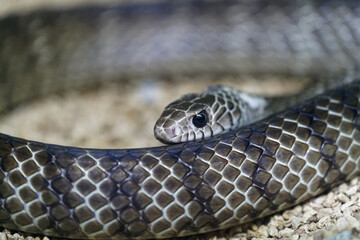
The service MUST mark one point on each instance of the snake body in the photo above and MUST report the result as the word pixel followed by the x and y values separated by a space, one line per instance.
pixel 186 188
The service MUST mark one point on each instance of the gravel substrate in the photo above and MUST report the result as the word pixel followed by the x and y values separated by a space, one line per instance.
pixel 122 116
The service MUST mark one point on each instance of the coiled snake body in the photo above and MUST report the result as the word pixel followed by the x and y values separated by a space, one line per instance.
pixel 193 187
pixel 185 188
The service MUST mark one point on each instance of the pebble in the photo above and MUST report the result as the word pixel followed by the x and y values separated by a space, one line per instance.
pixel 355 197
pixel 310 227
pixel 254 227
pixel 263 230
pixel 354 181
pixel 313 218
pixel 356 215
pixel 273 231
pixel 351 191
pixel 343 198
pixel 15 236
pixel 337 212
pixel 285 233
pixel 343 187
pixel 295 237
pixel 323 221
pixel 278 222
pixel 309 212
pixel 296 222
pixel 324 212
pixel 329 200
pixel 346 205
pixel 288 214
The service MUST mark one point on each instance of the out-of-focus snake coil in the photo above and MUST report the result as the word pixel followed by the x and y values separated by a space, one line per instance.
pixel 187 188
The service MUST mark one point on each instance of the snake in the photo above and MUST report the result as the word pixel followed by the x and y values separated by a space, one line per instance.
pixel 215 110
pixel 190 187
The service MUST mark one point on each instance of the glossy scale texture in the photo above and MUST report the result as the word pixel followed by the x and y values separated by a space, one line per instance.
pixel 185 188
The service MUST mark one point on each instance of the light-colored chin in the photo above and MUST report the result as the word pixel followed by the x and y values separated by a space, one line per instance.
pixel 174 134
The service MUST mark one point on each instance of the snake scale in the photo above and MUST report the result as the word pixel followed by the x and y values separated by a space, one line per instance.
pixel 185 188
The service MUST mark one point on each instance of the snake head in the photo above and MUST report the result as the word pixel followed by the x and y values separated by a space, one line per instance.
pixel 183 122
pixel 198 116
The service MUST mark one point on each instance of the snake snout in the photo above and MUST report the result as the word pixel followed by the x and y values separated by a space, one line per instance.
pixel 168 135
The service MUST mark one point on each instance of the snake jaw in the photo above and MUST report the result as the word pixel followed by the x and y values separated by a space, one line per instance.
pixel 168 135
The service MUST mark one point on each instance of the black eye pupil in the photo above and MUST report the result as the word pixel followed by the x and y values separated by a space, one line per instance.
pixel 200 120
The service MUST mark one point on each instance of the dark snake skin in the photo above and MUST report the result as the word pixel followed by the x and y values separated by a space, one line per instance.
pixel 188 188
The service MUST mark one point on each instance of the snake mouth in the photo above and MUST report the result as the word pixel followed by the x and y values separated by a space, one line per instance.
pixel 167 135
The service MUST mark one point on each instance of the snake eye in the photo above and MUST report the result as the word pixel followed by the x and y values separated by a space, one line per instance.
pixel 201 119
